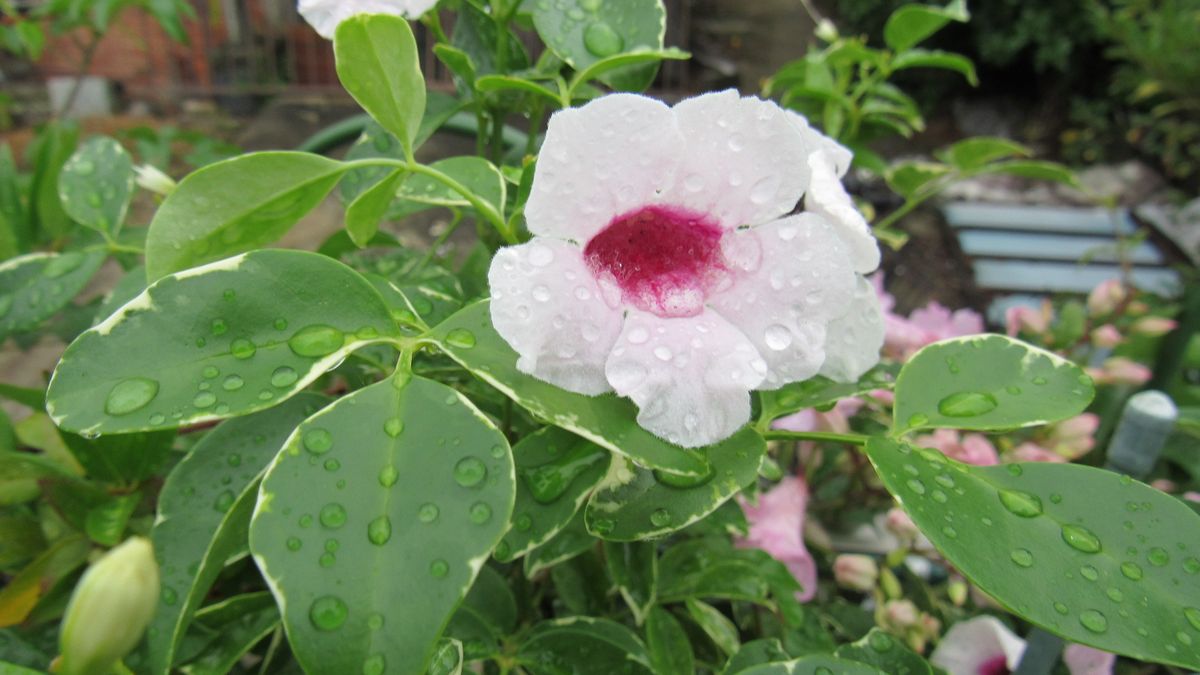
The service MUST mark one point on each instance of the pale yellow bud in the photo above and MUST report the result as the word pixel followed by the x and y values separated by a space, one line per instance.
pixel 150 178
pixel 110 609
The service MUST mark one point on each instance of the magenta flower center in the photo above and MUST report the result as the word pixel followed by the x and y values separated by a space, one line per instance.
pixel 997 665
pixel 663 260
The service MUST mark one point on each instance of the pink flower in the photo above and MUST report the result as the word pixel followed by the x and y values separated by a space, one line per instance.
pixel 903 337
pixel 1032 452
pixel 971 448
pixel 836 419
pixel 1021 319
pixel 665 265
pixel 899 523
pixel 1081 660
pixel 855 572
pixel 1121 370
pixel 1107 336
pixel 979 646
pixel 777 527
pixel 1106 297
pixel 1165 484
pixel 1153 326
pixel 1191 496
pixel 1075 437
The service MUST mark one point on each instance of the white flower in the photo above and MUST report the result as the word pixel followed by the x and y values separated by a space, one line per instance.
pixel 149 177
pixel 325 15
pixel 665 264
pixel 979 646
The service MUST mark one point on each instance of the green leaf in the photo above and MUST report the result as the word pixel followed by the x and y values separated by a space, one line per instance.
pixel 474 173
pixel 379 513
pixel 635 57
pixel 365 212
pixel 447 658
pixel 226 339
pixel 469 338
pixel 813 665
pixel 583 646
pixel 377 63
pixel 1037 170
pixel 1095 557
pixel 568 541
pixel 936 58
pixel 204 513
pixel 711 567
pixel 818 392
pixel 754 653
pixel 34 287
pixel 669 646
pixel 239 623
pixel 487 615
pixel 200 223
pixel 493 83
pixel 973 153
pixel 34 399
pixel 21 539
pixel 96 185
pixel 885 652
pixel 556 471
pixel 987 382
pixel 634 568
pixel 907 178
pixel 54 146
pixel 635 503
pixel 106 522
pixel 22 592
pixel 15 229
pixel 126 459
pixel 911 24
pixel 458 61
pixel 718 627
pixel 602 31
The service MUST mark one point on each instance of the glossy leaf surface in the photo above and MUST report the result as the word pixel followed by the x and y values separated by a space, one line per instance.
pixel 582 33
pixel 374 521
pixel 377 63
pixel 33 287
pixel 226 339
pixel 1085 553
pixel 584 646
pixel 96 185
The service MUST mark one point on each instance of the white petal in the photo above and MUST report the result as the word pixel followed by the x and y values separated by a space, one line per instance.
pixel 690 377
pixel 548 307
pixel 325 15
pixel 819 142
pixel 739 162
pixel 972 643
pixel 611 156
pixel 803 282
pixel 853 340
pixel 827 198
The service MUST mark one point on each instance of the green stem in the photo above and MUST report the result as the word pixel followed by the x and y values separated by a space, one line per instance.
pixel 433 21
pixel 852 439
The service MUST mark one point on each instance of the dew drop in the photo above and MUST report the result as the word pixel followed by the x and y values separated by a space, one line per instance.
pixel 204 399
pixel 950 532
pixel 480 513
pixel 523 523
pixel 388 476
pixel 1093 621
pixel 439 568
pixel 1158 556
pixel 1088 572
pixel 1131 570
pixel 1193 616
pixel 967 404
pixel 332 465
pixel 469 472
pixel 219 327
pixel 283 376
pixel 316 341
pixel 427 513
pixel 318 441
pixel 294 544
pixel 242 348
pixel 328 613
pixel 1020 503
pixel 1191 565
pixel 916 486
pixel 777 337
pixel 1115 594
pixel 374 664
pixel 130 395
pixel 1022 557
pixel 660 518
pixel 461 338
pixel 333 516
pixel 233 383
pixel 1080 538
pixel 379 530
pixel 601 40
pixel 1061 608
pixel 393 427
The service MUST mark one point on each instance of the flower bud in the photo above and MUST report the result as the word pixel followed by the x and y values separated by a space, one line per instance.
pixel 900 524
pixel 1120 370
pixel 1106 336
pixel 150 178
pixel 957 590
pixel 110 609
pixel 1153 326
pixel 1105 297
pixel 855 572
pixel 826 30
pixel 899 615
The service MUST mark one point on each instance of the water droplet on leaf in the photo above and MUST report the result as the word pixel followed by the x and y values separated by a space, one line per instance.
pixel 130 395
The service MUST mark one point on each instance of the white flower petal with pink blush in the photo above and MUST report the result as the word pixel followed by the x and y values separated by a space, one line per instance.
pixel 547 305
pixel 325 15
pixel 777 527
pixel 670 227
pixel 1082 660
pixel 979 646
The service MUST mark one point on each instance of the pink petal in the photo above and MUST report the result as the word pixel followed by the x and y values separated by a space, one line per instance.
pixel 777 527
pixel 972 644
pixel 1081 660
pixel 690 377
pixel 547 306
pixel 1032 452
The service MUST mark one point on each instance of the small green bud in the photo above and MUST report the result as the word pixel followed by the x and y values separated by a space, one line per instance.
pixel 110 609
pixel 150 178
